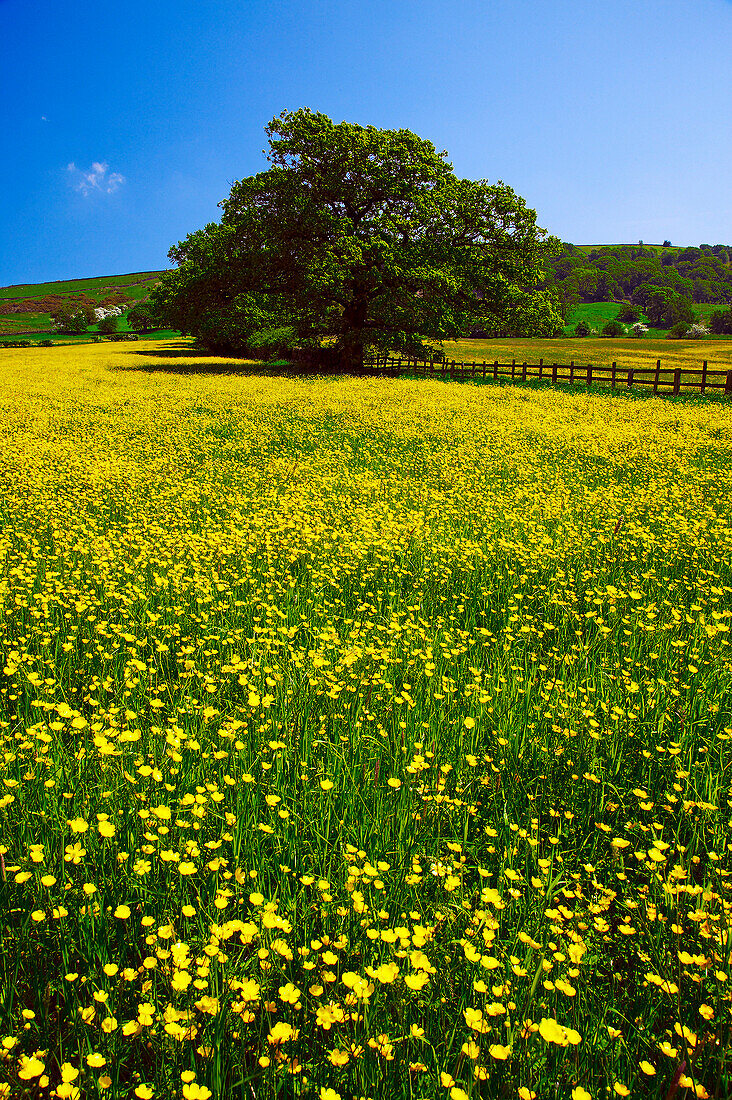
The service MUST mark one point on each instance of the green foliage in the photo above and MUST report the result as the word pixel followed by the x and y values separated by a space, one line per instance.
pixel 582 329
pixel 71 320
pixel 108 325
pixel 629 313
pixel 720 322
pixel 359 237
pixel 142 318
pixel 613 328
pixel 678 331
pixel 604 272
pixel 666 308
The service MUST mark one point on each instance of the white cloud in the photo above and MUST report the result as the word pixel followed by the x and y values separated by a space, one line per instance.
pixel 96 178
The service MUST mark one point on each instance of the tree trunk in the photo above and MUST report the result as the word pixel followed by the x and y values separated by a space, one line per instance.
pixel 352 359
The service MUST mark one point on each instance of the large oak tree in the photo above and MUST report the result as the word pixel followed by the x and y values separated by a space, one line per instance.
pixel 357 237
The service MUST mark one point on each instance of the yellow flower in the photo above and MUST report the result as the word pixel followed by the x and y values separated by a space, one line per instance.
pixel 579 1093
pixel 647 1068
pixel 416 981
pixel 552 1032
pixel 329 1094
pixel 457 1093
pixel 326 784
pixel 386 973
pixel 698 1089
pixel 122 912
pixel 96 1061
pixel 282 1032
pixel 106 829
pixel 180 980
pixel 144 1092
pixel 621 1089
pixel 196 1092
pixel 499 1053
pixel 30 1068
pixel 474 1020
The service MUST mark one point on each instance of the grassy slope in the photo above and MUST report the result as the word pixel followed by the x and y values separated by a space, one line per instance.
pixel 95 287
pixel 597 314
pixel 136 285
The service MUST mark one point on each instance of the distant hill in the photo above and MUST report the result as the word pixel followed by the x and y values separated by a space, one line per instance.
pixel 26 308
pixel 607 273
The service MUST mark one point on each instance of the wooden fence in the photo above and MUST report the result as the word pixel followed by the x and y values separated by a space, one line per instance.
pixel 669 380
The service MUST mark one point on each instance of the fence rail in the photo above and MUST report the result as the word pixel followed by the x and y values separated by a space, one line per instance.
pixel 660 379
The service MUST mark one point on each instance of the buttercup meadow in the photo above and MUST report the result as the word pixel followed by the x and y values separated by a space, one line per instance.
pixel 360 737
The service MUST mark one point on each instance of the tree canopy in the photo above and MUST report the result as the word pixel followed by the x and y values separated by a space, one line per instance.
pixel 358 237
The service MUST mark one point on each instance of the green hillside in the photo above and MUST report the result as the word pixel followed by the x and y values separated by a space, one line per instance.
pixel 26 308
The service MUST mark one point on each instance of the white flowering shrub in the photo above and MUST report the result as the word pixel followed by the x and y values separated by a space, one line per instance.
pixel 638 329
pixel 697 330
pixel 108 311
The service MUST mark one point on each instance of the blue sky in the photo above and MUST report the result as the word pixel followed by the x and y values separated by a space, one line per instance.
pixel 125 124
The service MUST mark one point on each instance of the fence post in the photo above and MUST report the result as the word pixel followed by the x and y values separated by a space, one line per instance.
pixel 704 376
pixel 630 378
pixel 612 375
pixel 571 372
pixel 677 382
pixel 589 374
pixel 523 373
pixel 495 370
pixel 656 376
pixel 513 370
pixel 484 367
pixel 728 384
pixel 541 369
pixel 554 373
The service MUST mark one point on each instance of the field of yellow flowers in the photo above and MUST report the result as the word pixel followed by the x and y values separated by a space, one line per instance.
pixel 360 737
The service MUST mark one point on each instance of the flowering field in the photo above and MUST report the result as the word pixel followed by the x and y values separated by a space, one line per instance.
pixel 360 738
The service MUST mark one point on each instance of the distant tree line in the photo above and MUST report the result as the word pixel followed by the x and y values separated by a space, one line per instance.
pixel 658 280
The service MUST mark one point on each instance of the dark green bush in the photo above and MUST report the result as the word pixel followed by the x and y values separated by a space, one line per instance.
pixel 628 312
